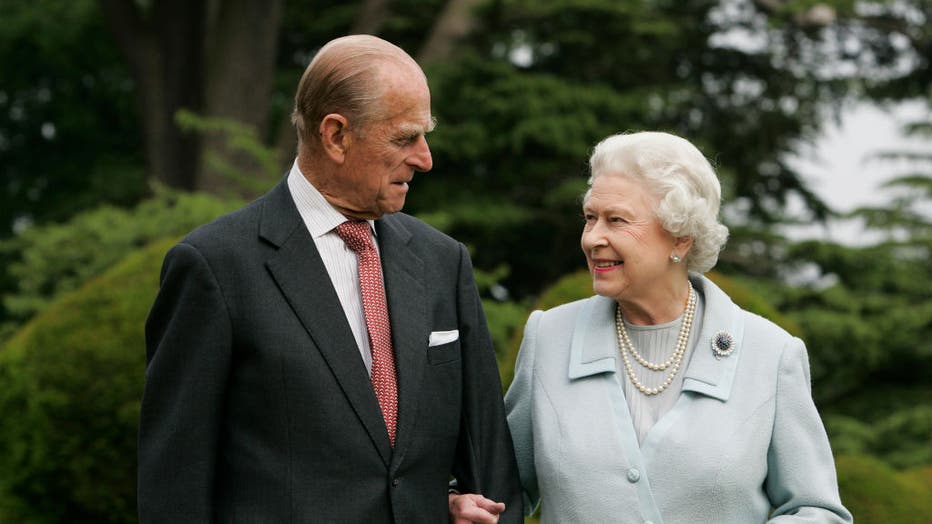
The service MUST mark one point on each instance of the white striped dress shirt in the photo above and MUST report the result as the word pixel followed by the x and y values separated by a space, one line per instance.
pixel 321 220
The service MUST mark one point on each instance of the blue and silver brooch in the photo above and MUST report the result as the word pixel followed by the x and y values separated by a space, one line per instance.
pixel 723 344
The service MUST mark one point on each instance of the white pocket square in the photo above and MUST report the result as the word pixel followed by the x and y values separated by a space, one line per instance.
pixel 438 338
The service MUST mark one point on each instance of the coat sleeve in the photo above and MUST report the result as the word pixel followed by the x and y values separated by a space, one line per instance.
pixel 188 339
pixel 519 407
pixel 485 459
pixel 801 482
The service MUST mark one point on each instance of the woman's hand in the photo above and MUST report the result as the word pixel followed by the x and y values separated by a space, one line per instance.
pixel 470 508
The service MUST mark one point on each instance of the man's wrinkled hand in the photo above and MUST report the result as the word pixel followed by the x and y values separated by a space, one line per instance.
pixel 470 508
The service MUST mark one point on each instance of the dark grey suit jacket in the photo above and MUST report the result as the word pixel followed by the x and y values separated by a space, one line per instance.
pixel 258 407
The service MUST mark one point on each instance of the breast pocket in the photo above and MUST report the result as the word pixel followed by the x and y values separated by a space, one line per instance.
pixel 443 353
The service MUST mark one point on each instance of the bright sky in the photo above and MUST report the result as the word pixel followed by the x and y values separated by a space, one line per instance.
pixel 839 168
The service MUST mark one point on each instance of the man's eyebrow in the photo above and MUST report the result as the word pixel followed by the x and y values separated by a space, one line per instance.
pixel 413 130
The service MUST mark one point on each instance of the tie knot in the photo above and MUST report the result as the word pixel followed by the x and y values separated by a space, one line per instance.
pixel 356 234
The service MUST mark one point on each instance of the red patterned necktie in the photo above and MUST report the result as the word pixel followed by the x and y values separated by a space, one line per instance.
pixel 356 234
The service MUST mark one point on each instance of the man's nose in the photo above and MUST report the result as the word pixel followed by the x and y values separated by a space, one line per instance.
pixel 421 159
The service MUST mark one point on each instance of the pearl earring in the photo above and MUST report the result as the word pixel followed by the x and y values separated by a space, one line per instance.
pixel 675 258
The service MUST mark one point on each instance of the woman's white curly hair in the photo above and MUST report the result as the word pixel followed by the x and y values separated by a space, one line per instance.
pixel 681 179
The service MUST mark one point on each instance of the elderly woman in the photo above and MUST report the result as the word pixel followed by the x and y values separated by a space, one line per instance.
pixel 660 400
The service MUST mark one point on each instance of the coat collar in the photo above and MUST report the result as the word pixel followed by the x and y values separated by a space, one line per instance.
pixel 279 218
pixel 594 348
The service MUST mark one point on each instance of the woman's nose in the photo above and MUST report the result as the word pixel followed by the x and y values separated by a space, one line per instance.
pixel 593 236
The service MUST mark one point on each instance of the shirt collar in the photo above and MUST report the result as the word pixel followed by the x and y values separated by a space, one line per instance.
pixel 318 215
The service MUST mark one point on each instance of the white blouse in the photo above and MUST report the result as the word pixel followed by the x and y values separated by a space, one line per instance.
pixel 656 344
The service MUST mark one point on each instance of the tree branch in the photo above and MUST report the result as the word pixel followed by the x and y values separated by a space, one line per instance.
pixel 371 17
pixel 132 33
pixel 455 22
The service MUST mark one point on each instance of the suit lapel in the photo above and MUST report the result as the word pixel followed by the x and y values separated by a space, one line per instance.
pixel 407 309
pixel 302 278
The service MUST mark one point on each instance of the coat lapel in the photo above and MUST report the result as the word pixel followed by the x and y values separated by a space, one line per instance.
pixel 707 374
pixel 301 276
pixel 593 348
pixel 407 308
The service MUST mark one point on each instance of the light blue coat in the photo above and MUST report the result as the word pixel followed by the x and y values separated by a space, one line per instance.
pixel 743 438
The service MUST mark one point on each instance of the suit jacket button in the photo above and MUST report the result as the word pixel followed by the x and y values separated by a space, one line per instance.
pixel 395 482
pixel 634 475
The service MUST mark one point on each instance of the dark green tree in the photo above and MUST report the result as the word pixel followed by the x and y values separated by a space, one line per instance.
pixel 866 315
pixel 68 137
pixel 215 58
pixel 538 83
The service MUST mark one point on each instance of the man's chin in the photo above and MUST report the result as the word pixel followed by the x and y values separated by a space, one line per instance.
pixel 393 206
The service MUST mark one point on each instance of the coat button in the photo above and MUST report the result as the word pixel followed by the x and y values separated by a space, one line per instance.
pixel 634 475
pixel 395 482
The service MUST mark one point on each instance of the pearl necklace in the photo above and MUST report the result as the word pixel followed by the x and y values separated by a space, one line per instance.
pixel 624 343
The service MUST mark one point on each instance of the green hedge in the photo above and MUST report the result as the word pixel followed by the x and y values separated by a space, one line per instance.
pixel 51 260
pixel 900 438
pixel 70 385
pixel 877 494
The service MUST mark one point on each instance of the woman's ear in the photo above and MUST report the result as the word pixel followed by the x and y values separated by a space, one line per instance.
pixel 682 245
pixel 335 137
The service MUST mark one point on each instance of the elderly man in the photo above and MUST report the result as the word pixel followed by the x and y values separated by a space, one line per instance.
pixel 317 356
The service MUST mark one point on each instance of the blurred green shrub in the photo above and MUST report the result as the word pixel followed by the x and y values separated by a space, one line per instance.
pixel 866 317
pixel 248 166
pixel 574 286
pixel 58 258
pixel 876 494
pixel 70 385
pixel 900 439
pixel 503 316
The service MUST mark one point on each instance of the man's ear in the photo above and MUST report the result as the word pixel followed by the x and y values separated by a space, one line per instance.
pixel 335 137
